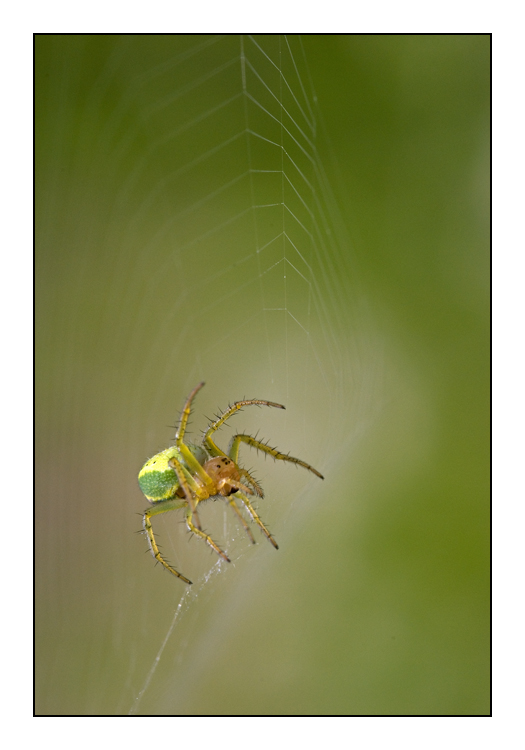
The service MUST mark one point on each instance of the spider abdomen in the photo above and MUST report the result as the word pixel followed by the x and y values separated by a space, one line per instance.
pixel 158 479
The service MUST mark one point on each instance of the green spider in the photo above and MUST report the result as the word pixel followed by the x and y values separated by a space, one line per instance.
pixel 186 474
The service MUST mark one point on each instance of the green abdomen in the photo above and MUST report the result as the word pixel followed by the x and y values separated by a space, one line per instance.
pixel 157 479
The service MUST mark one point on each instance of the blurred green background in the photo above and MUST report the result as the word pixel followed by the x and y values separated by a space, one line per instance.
pixel 158 265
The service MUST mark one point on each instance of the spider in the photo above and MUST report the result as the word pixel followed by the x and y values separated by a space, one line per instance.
pixel 187 474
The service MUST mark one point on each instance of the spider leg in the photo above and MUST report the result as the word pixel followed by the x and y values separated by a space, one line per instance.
pixel 233 453
pixel 256 518
pixel 183 421
pixel 161 507
pixel 202 535
pixel 237 510
pixel 256 486
pixel 188 456
pixel 196 468
pixel 190 487
pixel 271 451
pixel 214 450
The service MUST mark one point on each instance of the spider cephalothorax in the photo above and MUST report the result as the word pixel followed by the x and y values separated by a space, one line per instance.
pixel 221 470
pixel 186 474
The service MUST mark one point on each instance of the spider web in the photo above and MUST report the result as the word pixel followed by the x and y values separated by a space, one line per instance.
pixel 216 254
